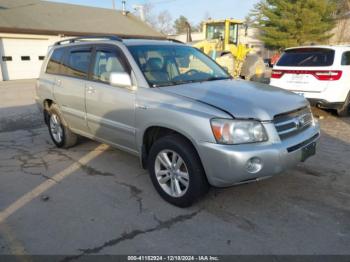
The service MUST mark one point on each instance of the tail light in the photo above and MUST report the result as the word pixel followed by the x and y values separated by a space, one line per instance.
pixel 277 74
pixel 322 75
pixel 328 75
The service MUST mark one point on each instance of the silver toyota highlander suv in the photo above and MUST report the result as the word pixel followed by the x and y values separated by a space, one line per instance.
pixel 190 124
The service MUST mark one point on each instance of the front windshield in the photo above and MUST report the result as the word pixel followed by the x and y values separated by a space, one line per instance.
pixel 165 65
pixel 216 31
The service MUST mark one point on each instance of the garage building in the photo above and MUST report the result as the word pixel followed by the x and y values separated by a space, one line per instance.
pixel 29 27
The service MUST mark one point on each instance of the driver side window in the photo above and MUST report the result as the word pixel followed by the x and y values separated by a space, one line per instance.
pixel 107 62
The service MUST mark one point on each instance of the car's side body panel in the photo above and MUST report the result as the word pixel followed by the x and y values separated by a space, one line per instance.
pixel 110 113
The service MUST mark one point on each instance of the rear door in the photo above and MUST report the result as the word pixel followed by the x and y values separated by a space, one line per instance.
pixel 305 70
pixel 70 85
pixel 110 109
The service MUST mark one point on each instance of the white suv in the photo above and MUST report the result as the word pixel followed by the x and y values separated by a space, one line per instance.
pixel 319 73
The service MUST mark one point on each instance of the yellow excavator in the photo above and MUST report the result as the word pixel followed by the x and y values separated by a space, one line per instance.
pixel 225 44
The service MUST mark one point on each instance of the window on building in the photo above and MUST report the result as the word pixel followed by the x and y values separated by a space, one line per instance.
pixel 53 66
pixel 25 58
pixel 107 62
pixel 7 58
pixel 77 63
pixel 41 57
pixel 345 60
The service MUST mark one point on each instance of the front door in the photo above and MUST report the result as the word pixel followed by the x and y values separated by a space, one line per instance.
pixel 110 109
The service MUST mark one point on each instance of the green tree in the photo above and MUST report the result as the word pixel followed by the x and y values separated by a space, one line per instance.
pixel 286 23
pixel 181 24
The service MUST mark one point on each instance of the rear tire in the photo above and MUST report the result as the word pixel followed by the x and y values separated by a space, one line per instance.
pixel 164 169
pixel 344 110
pixel 58 129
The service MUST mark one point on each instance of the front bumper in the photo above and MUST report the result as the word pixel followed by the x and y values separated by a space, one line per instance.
pixel 226 165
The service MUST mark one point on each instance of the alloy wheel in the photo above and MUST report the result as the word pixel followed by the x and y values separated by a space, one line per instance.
pixel 172 173
pixel 56 128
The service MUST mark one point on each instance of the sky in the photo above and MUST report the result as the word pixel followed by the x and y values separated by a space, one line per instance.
pixel 194 10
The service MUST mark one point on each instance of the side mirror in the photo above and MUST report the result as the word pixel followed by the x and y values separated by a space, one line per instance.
pixel 120 79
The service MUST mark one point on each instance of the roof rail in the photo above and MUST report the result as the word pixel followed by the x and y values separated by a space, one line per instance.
pixel 175 40
pixel 81 38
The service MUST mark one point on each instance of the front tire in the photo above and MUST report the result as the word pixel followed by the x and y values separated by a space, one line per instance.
pixel 176 171
pixel 58 129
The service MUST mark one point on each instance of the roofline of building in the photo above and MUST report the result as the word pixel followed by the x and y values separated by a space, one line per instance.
pixel 70 33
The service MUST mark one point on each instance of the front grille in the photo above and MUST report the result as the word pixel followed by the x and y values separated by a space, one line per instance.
pixel 294 122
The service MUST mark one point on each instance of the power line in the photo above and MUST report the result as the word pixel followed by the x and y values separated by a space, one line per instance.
pixel 161 1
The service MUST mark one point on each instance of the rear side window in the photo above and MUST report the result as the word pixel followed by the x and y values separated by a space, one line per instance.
pixel 345 60
pixel 53 66
pixel 307 57
pixel 77 63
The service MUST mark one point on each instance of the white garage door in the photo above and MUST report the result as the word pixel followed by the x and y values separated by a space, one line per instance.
pixel 22 58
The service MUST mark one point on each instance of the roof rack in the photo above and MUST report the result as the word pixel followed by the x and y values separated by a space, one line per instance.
pixel 175 40
pixel 81 38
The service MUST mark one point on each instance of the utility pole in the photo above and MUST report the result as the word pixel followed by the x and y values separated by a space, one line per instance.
pixel 113 4
pixel 124 7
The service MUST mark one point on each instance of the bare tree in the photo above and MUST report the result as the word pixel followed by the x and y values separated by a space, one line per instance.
pixel 149 14
pixel 199 26
pixel 164 22
pixel 343 21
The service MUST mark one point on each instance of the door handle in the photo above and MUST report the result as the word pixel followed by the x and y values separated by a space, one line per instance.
pixel 91 90
pixel 58 82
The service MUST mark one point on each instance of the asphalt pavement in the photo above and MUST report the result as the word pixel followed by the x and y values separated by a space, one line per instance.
pixel 93 199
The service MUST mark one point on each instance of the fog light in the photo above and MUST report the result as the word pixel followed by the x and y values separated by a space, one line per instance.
pixel 254 165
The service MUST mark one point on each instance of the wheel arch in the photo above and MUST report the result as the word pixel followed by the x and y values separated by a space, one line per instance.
pixel 47 103
pixel 155 132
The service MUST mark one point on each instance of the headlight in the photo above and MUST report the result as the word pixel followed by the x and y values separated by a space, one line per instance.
pixel 227 131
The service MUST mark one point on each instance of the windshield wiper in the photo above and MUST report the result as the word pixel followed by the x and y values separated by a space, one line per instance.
pixel 175 83
pixel 170 83
pixel 218 78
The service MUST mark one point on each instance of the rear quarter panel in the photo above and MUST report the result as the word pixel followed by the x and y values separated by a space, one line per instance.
pixel 345 80
pixel 45 83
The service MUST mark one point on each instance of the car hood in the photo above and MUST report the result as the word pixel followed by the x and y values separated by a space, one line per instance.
pixel 242 99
